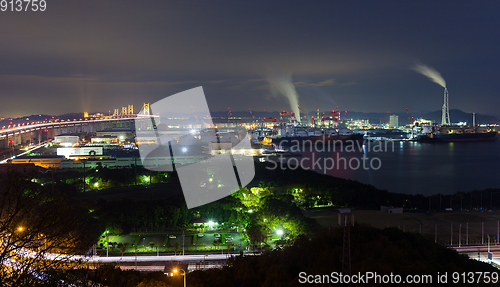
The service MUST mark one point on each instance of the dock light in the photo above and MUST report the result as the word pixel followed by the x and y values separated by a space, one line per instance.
pixel 279 232
pixel 184 149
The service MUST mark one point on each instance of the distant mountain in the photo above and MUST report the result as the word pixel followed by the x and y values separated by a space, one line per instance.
pixel 455 116
pixel 246 114
pixel 376 118
pixel 460 116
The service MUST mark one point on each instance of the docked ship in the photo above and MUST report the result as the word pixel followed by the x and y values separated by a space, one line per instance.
pixel 308 136
pixel 323 130
pixel 456 134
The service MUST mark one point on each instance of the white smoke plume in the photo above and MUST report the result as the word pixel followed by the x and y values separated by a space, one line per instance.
pixel 282 84
pixel 430 73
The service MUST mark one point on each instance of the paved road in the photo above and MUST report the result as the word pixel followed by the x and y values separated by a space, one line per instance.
pixel 151 258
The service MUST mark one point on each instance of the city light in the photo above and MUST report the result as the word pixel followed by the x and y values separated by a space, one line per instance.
pixel 279 232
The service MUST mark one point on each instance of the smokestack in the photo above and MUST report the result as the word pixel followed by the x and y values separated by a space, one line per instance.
pixel 282 84
pixel 445 113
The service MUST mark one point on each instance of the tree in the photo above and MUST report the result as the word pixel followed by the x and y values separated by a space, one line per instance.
pixel 122 248
pixel 35 222
pixel 152 283
pixel 176 248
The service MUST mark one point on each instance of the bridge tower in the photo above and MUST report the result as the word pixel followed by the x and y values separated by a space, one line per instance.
pixel 130 109
pixel 124 111
pixel 145 109
pixel 115 113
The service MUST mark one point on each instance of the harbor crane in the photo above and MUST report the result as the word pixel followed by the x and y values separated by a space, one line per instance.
pixel 409 117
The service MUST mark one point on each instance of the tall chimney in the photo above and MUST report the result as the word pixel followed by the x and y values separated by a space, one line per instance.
pixel 445 113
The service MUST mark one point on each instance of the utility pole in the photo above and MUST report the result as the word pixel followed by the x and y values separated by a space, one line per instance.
pixel 346 219
pixel 467 243
pixel 451 237
pixel 460 235
pixel 107 243
pixel 482 233
pixel 84 161
pixel 435 233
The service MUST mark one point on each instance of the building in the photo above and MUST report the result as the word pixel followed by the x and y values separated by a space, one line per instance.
pixel 72 151
pixel 45 161
pixel 394 121
pixel 20 168
pixel 66 140
pixel 122 134
pixel 104 139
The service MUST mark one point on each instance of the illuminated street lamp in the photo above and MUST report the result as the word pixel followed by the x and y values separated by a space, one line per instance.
pixel 279 232
pixel 20 228
pixel 177 270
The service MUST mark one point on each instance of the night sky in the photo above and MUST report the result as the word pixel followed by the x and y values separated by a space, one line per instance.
pixel 99 55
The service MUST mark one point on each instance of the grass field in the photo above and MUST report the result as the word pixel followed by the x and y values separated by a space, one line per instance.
pixel 424 223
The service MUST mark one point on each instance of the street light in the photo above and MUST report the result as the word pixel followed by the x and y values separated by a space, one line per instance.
pixel 177 270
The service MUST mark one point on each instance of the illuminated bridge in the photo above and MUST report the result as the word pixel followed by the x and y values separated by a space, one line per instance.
pixel 36 132
pixel 41 131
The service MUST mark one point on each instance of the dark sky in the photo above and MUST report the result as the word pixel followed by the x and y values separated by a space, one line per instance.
pixel 82 55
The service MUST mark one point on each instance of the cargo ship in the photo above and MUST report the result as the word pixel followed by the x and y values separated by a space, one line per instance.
pixel 318 136
pixel 289 132
pixel 306 136
pixel 457 134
